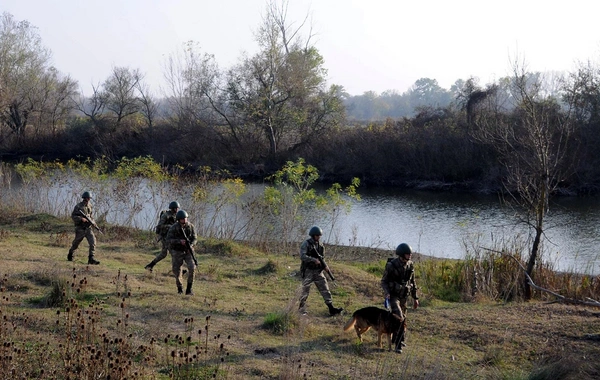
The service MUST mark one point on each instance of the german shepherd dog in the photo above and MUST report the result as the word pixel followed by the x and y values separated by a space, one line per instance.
pixel 382 321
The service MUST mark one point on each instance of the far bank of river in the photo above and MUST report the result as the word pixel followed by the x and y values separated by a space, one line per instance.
pixel 442 224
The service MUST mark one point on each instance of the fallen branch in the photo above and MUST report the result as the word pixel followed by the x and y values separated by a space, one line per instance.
pixel 561 298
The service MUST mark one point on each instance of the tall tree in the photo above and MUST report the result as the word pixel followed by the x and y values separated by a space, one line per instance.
pixel 532 143
pixel 191 75
pixel 23 63
pixel 54 98
pixel 427 92
pixel 281 91
pixel 120 92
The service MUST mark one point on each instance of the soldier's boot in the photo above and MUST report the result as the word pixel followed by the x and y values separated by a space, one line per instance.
pixel 188 290
pixel 334 310
pixel 402 335
pixel 150 266
pixel 179 289
pixel 70 255
pixel 92 261
pixel 302 308
pixel 398 340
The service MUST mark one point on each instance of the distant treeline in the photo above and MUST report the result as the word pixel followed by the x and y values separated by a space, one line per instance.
pixel 276 106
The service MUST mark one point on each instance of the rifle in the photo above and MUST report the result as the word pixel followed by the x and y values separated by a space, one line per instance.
pixel 91 221
pixel 316 255
pixel 188 246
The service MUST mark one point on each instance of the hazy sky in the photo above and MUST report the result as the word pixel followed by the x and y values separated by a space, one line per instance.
pixel 367 45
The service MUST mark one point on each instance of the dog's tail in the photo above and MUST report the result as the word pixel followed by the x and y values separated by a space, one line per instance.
pixel 350 324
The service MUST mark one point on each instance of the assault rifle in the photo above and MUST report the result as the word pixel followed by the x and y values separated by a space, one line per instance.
pixel 188 246
pixel 314 253
pixel 90 221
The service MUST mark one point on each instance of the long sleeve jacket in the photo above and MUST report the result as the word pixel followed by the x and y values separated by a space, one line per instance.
pixel 307 253
pixel 176 235
pixel 76 215
pixel 399 278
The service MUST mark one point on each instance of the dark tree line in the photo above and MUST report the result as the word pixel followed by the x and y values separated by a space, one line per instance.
pixel 276 106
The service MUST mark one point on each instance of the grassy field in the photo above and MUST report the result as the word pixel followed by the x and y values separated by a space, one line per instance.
pixel 65 319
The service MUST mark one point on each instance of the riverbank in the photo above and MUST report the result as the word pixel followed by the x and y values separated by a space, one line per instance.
pixel 246 300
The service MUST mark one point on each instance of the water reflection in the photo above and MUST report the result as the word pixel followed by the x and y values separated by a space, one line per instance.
pixel 439 224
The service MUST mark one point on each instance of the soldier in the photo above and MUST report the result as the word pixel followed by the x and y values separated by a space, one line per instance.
pixel 83 228
pixel 167 219
pixel 397 282
pixel 312 271
pixel 181 239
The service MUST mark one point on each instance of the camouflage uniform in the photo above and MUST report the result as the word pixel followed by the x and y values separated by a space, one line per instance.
pixel 398 281
pixel 313 272
pixel 83 230
pixel 167 219
pixel 179 254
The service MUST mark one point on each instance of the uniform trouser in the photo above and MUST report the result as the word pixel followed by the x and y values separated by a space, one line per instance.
pixel 316 276
pixel 80 234
pixel 163 252
pixel 177 260
pixel 398 306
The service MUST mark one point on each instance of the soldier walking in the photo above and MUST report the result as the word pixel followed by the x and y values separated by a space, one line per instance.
pixel 181 238
pixel 398 282
pixel 167 219
pixel 83 228
pixel 312 271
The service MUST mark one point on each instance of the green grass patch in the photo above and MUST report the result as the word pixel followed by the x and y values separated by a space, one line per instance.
pixel 280 322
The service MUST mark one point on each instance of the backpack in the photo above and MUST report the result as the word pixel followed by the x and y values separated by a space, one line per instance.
pixel 158 228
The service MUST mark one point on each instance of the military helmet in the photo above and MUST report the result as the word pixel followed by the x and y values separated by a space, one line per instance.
pixel 86 194
pixel 181 215
pixel 315 231
pixel 403 249
pixel 173 205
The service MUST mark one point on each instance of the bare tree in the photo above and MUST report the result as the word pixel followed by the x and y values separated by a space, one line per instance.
pixel 23 63
pixel 148 106
pixel 93 106
pixel 54 99
pixel 532 142
pixel 190 75
pixel 120 93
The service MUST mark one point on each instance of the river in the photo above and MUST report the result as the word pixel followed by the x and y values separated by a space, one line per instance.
pixel 433 223
pixel 440 224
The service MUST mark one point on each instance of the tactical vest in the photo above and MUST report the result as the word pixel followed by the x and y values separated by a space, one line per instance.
pixel 162 229
pixel 310 249
pixel 399 276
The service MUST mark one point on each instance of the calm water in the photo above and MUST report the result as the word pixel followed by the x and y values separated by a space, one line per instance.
pixel 440 224
pixel 433 223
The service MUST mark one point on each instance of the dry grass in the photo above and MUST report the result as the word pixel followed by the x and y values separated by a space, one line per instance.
pixel 117 310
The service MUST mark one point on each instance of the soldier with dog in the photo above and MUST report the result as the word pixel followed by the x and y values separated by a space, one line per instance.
pixel 398 282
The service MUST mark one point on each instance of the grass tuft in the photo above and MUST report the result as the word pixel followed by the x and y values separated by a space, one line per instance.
pixel 280 322
pixel 269 268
